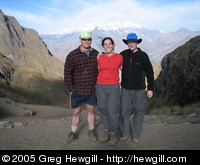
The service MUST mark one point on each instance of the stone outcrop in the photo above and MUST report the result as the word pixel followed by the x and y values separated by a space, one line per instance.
pixel 26 48
pixel 179 80
pixel 6 70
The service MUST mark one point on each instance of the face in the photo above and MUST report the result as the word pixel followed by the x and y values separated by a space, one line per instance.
pixel 108 46
pixel 86 42
pixel 132 45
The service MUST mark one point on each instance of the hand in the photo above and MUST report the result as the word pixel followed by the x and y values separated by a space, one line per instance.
pixel 99 55
pixel 149 94
pixel 70 93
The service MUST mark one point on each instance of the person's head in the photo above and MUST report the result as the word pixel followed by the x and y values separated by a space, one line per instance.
pixel 85 39
pixel 108 44
pixel 132 41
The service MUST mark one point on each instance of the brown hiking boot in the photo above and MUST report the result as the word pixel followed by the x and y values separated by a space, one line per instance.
pixel 92 135
pixel 106 136
pixel 113 139
pixel 71 137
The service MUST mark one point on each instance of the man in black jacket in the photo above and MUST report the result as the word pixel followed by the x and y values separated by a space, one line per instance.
pixel 136 66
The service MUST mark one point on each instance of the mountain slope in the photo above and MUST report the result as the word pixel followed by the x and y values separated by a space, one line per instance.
pixel 26 48
pixel 179 80
pixel 29 73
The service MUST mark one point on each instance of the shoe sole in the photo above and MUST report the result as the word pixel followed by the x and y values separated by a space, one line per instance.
pixel 70 141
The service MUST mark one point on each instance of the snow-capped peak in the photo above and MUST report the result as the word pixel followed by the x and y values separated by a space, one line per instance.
pixel 112 26
pixel 100 26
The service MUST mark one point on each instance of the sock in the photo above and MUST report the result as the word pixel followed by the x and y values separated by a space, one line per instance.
pixel 74 128
pixel 91 127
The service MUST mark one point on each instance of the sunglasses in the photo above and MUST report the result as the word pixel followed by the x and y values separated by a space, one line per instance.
pixel 86 39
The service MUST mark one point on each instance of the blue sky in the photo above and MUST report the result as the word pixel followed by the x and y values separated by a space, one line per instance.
pixel 48 16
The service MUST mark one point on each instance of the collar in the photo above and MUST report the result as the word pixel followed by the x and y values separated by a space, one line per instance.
pixel 91 49
pixel 138 49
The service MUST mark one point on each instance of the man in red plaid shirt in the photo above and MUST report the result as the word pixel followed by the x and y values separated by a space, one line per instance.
pixel 80 75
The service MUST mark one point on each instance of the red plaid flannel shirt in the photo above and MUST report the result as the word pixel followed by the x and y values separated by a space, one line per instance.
pixel 80 71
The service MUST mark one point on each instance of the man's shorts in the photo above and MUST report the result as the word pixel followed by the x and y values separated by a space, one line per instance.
pixel 79 100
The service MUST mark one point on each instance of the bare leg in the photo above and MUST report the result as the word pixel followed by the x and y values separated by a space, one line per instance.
pixel 90 110
pixel 92 133
pixel 76 116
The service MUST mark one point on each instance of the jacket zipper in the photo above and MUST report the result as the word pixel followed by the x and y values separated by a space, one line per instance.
pixel 130 64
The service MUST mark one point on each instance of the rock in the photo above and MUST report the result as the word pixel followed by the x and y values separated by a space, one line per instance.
pixel 19 124
pixel 29 113
pixel 6 124
pixel 7 101
pixel 10 124
pixel 192 115
pixel 6 70
pixel 179 80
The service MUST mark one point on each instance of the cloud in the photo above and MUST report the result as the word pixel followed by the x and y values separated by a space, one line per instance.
pixel 166 17
pixel 183 14
pixel 29 20
pixel 68 15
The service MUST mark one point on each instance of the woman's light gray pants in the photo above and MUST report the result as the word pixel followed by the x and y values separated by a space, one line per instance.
pixel 132 102
pixel 108 101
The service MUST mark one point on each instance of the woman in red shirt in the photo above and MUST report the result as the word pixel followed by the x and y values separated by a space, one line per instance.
pixel 108 90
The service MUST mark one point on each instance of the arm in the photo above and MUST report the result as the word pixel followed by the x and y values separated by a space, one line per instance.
pixel 120 67
pixel 150 76
pixel 68 73
pixel 121 63
pixel 99 54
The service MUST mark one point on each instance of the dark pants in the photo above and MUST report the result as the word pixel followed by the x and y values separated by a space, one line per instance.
pixel 132 102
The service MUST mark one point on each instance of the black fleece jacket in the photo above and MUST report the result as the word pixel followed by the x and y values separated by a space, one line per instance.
pixel 135 67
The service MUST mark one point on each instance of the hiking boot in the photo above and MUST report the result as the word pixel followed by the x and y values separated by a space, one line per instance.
pixel 113 139
pixel 92 135
pixel 136 140
pixel 124 138
pixel 71 137
pixel 106 136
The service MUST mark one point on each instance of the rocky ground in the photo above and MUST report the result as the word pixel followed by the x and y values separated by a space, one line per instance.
pixel 37 127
